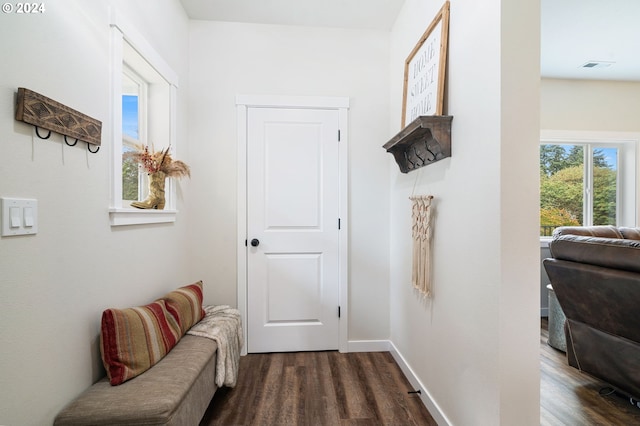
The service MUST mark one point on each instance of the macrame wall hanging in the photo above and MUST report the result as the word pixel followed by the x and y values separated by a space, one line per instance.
pixel 421 233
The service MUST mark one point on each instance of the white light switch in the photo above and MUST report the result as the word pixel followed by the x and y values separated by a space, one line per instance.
pixel 28 217
pixel 19 216
pixel 14 214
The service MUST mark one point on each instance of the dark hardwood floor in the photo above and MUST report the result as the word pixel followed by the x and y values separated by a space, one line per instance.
pixel 569 397
pixel 318 388
pixel 334 389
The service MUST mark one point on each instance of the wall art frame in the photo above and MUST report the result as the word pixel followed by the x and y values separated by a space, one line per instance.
pixel 425 70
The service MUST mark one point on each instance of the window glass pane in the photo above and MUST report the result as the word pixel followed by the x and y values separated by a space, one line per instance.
pixel 605 185
pixel 130 135
pixel 561 186
pixel 130 178
pixel 130 121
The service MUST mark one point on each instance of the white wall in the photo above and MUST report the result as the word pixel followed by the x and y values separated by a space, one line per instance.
pixel 590 105
pixel 474 346
pixel 227 59
pixel 55 285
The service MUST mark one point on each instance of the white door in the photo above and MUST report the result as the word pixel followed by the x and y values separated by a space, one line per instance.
pixel 292 229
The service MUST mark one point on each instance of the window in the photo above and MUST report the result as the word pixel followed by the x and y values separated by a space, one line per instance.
pixel 134 90
pixel 586 182
pixel 144 91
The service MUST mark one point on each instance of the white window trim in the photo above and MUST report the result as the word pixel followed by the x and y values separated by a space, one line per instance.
pixel 121 31
pixel 628 143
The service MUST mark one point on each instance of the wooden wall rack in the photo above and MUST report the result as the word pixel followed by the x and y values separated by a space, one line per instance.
pixel 43 112
pixel 424 141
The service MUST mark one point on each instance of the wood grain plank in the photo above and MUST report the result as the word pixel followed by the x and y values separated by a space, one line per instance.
pixel 320 403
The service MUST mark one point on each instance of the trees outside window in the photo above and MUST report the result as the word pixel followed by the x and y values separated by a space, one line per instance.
pixel 579 185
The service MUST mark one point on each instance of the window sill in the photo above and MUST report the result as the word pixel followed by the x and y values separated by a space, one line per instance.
pixel 122 217
pixel 544 242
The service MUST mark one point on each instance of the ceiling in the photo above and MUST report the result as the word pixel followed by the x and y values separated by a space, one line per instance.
pixel 358 14
pixel 573 32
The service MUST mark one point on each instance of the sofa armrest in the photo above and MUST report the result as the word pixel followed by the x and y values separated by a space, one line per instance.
pixel 606 231
pixel 613 253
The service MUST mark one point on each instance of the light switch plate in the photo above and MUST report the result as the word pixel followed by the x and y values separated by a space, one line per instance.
pixel 9 205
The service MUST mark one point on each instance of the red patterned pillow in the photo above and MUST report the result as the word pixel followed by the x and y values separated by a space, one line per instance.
pixel 134 339
pixel 185 304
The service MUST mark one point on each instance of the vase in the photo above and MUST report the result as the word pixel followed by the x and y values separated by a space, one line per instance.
pixel 155 199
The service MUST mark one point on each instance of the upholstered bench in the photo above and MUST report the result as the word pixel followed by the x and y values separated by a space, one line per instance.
pixel 157 374
pixel 175 391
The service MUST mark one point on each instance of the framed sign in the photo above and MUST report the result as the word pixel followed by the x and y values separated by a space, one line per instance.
pixel 424 71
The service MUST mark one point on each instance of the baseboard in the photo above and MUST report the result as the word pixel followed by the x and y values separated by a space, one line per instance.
pixel 369 346
pixel 425 396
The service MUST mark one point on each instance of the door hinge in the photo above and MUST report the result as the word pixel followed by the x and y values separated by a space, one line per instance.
pixel 338 135
pixel 338 311
pixel 245 243
pixel 339 224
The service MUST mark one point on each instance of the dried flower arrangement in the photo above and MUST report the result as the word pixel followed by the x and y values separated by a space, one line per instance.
pixel 158 161
pixel 159 165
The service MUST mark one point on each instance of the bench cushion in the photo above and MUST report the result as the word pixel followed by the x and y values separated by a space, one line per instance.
pixel 176 391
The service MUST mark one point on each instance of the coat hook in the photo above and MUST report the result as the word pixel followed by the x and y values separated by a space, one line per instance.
pixel 67 142
pixel 409 162
pixel 415 151
pixel 89 148
pixel 426 146
pixel 43 137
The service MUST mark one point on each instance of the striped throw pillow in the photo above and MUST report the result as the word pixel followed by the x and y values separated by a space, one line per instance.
pixel 185 304
pixel 134 339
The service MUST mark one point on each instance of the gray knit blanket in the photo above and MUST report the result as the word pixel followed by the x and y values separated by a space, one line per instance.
pixel 223 325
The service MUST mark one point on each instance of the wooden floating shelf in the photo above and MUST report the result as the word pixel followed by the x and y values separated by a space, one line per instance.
pixel 43 112
pixel 424 141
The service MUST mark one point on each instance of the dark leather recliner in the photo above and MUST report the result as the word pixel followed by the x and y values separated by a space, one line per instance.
pixel 595 273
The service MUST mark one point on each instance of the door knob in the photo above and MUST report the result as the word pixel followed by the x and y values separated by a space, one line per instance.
pixel 255 242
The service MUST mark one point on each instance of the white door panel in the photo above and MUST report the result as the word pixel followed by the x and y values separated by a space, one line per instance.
pixel 293 175
pixel 292 209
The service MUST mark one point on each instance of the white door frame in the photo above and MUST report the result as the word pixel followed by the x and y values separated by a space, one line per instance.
pixel 341 104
